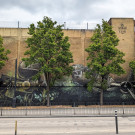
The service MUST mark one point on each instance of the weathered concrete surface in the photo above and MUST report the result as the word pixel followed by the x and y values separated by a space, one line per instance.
pixel 124 28
pixel 67 126
pixel 15 40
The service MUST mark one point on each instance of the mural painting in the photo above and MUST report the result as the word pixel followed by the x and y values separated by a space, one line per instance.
pixel 67 91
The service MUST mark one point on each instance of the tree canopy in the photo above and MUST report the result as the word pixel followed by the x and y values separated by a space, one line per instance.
pixel 3 54
pixel 103 57
pixel 132 66
pixel 48 47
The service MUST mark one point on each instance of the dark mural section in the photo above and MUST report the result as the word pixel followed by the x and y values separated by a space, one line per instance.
pixel 64 96
pixel 67 91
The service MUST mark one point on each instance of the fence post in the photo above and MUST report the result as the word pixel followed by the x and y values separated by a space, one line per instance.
pixel 74 110
pixel 18 24
pixel 99 109
pixel 74 104
pixel 15 127
pixel 1 110
pixel 64 25
pixel 87 26
pixel 26 109
pixel 116 121
pixel 123 107
pixel 50 111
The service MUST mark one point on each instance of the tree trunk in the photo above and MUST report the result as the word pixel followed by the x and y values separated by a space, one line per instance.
pixel 48 96
pixel 101 97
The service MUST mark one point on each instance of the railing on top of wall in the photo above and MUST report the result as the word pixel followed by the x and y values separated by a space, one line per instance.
pixel 66 25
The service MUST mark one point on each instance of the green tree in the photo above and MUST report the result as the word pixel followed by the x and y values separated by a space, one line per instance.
pixel 103 57
pixel 3 54
pixel 48 47
pixel 132 66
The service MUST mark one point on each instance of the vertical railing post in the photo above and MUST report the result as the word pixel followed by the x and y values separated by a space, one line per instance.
pixel 18 24
pixel 74 110
pixel 99 109
pixel 116 121
pixel 123 107
pixel 50 111
pixel 26 109
pixel 87 26
pixel 64 25
pixel 1 110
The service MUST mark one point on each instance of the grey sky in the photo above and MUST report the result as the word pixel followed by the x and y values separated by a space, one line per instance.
pixel 69 11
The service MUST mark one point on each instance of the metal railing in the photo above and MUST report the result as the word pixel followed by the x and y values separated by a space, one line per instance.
pixel 66 25
pixel 43 111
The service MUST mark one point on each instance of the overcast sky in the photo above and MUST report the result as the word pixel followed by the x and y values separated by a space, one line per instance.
pixel 75 12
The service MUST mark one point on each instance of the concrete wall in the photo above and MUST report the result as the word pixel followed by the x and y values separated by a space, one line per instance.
pixel 124 28
pixel 14 39
pixel 79 39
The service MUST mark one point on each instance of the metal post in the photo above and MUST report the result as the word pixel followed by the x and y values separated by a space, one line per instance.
pixel 99 109
pixel 64 25
pixel 15 127
pixel 14 98
pixel 26 109
pixel 1 110
pixel 74 104
pixel 116 121
pixel 123 108
pixel 50 111
pixel 18 24
pixel 74 110
pixel 87 26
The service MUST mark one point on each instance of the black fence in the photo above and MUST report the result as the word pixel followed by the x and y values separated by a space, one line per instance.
pixel 73 96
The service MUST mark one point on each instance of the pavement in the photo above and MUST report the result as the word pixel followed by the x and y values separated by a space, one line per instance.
pixel 67 126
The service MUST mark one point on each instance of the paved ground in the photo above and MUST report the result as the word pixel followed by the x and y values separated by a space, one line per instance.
pixel 67 126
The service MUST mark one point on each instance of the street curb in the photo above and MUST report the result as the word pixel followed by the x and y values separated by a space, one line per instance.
pixel 64 116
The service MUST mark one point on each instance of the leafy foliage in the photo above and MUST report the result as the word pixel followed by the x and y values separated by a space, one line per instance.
pixel 3 54
pixel 103 56
pixel 48 47
pixel 132 66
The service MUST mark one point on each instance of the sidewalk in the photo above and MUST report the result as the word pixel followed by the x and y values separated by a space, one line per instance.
pixel 68 126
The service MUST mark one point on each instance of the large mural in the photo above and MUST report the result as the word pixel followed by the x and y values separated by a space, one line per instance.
pixel 66 91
